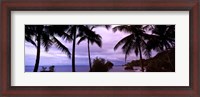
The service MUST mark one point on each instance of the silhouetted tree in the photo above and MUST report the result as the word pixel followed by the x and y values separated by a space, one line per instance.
pixel 161 39
pixel 73 31
pixel 91 37
pixel 39 35
pixel 134 41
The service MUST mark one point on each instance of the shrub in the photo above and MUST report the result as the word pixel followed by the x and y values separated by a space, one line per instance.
pixel 101 65
pixel 51 69
pixel 109 64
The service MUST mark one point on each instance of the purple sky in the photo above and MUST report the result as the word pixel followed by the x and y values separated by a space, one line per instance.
pixel 55 57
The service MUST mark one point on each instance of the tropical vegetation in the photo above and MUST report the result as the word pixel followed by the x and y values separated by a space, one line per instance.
pixel 101 65
pixel 40 35
pixel 162 38
pixel 141 40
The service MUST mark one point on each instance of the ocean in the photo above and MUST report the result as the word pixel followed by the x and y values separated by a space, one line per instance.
pixel 82 68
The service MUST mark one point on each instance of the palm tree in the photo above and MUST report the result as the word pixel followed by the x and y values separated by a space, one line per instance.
pixel 161 39
pixel 91 37
pixel 134 41
pixel 73 31
pixel 42 37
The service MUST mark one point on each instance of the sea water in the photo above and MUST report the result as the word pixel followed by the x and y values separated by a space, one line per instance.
pixel 81 68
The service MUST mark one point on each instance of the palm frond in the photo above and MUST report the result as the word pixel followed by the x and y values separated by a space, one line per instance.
pixel 128 50
pixel 30 34
pixel 163 38
pixel 83 30
pixel 148 27
pixel 62 47
pixel 71 30
pixel 29 39
pixel 97 39
pixel 86 33
pixel 80 34
pixel 66 37
pixel 123 28
pixel 81 39
pixel 122 41
pixel 57 29
pixel 104 26
pixel 98 42
pixel 46 41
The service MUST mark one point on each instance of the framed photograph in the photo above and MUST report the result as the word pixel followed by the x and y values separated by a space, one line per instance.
pixel 138 48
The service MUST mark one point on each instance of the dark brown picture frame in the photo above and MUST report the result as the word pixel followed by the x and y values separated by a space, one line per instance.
pixel 193 90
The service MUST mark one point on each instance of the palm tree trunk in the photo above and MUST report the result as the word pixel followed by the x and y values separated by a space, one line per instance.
pixel 89 55
pixel 73 52
pixel 38 54
pixel 141 62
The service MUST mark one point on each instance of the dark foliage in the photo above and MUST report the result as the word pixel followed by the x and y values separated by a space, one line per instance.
pixel 159 63
pixel 162 62
pixel 101 65
pixel 44 35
